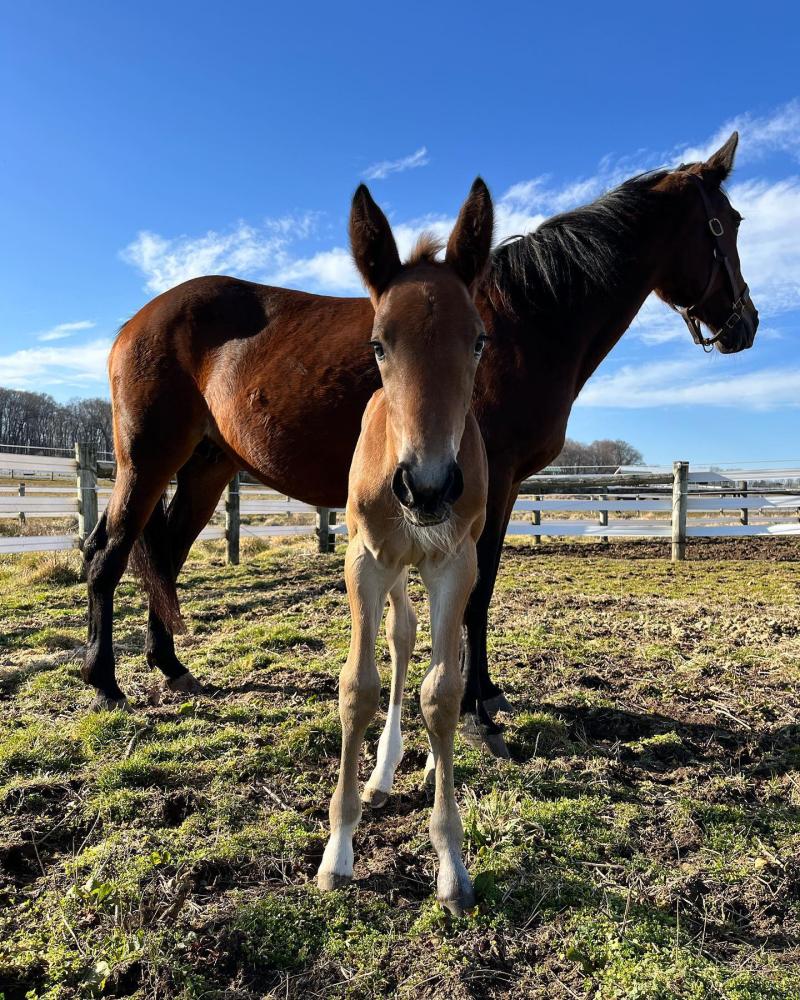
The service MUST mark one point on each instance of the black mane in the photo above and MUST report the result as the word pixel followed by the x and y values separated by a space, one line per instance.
pixel 580 252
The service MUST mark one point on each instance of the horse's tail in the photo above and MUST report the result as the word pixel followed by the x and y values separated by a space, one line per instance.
pixel 151 560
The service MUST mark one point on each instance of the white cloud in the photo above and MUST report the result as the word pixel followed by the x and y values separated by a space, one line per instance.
pixel 777 132
pixel 656 323
pixel 76 366
pixel 539 197
pixel 677 383
pixel 243 250
pixel 328 270
pixel 63 330
pixel 379 171
pixel 769 241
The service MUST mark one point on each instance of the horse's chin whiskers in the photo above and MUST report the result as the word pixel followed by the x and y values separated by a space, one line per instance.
pixel 442 537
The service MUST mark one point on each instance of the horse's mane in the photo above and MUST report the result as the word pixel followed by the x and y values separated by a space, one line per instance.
pixel 583 251
pixel 425 250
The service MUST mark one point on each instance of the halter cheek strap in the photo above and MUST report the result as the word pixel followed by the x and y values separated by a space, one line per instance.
pixel 739 298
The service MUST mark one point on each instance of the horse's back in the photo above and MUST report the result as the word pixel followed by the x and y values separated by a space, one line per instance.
pixel 274 376
pixel 202 315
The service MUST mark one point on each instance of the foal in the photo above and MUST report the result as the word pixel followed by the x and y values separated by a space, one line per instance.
pixel 417 496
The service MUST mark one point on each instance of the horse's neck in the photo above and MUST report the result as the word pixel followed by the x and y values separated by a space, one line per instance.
pixel 582 331
pixel 601 332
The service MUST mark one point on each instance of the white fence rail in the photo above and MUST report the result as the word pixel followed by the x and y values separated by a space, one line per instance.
pixel 699 504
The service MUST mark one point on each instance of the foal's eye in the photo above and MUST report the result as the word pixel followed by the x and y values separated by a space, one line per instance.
pixel 480 343
pixel 377 347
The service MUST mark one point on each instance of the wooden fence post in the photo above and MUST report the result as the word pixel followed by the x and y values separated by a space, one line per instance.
pixel 324 536
pixel 680 497
pixel 536 518
pixel 332 535
pixel 86 457
pixel 232 520
pixel 744 517
pixel 21 492
pixel 604 520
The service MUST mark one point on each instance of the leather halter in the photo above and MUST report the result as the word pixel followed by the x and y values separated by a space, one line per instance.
pixel 739 301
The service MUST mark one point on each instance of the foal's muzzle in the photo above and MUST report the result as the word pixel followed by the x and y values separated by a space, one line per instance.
pixel 427 505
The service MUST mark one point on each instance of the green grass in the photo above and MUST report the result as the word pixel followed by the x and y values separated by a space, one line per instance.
pixel 643 844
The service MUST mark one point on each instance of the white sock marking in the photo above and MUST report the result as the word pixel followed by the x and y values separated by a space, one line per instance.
pixel 390 752
pixel 338 856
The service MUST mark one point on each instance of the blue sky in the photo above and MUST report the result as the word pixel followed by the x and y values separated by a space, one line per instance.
pixel 146 143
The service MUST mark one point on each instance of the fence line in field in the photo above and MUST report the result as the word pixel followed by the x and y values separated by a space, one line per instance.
pixel 690 498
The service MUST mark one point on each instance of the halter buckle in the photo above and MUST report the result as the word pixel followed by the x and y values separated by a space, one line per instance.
pixel 732 320
pixel 716 227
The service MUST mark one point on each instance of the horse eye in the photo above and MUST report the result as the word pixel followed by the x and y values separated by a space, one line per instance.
pixel 480 343
pixel 377 347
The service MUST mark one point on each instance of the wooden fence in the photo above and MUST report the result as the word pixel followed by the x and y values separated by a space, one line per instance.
pixel 695 503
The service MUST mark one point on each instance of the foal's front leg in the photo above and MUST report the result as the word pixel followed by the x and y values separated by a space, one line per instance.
pixel 401 633
pixel 449 585
pixel 359 693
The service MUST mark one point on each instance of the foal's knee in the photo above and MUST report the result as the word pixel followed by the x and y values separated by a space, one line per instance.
pixel 440 700
pixel 359 697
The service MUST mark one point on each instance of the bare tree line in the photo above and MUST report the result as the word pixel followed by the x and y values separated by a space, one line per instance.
pixel 34 420
pixel 605 454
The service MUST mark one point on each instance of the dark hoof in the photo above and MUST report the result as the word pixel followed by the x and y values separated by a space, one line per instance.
pixel 185 684
pixel 105 703
pixel 374 798
pixel 481 737
pixel 328 881
pixel 499 703
pixel 458 907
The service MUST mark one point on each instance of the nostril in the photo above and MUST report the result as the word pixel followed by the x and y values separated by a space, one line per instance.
pixel 403 486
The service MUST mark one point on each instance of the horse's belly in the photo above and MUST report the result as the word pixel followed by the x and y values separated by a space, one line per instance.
pixel 303 450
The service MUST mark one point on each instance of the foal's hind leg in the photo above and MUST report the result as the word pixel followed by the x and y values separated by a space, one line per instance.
pixel 449 585
pixel 200 485
pixel 401 633
pixel 359 692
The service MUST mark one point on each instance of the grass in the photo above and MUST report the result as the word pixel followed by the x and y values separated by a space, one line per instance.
pixel 643 844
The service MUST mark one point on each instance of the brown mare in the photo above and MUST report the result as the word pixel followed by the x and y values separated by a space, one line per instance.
pixel 417 496
pixel 219 374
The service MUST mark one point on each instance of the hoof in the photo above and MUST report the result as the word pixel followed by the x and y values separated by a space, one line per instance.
pixel 185 684
pixel 498 704
pixel 105 703
pixel 327 881
pixel 374 798
pixel 477 735
pixel 460 905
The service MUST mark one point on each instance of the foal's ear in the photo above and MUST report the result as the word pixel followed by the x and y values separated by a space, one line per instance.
pixel 717 167
pixel 372 244
pixel 471 241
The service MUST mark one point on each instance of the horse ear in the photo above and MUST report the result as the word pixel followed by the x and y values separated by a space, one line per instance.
pixel 372 244
pixel 719 165
pixel 470 242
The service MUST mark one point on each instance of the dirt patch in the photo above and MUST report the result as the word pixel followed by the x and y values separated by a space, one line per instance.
pixel 774 549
